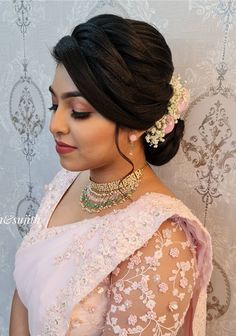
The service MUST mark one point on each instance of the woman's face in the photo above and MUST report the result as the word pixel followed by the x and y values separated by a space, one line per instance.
pixel 86 129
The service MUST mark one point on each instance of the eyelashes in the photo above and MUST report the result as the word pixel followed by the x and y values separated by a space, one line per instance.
pixel 53 107
pixel 74 114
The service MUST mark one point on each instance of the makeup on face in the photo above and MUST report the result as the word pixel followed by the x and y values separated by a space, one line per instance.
pixel 71 94
pixel 64 150
pixel 61 147
pixel 91 133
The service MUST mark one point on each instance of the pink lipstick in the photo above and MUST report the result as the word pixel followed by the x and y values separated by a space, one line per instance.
pixel 63 148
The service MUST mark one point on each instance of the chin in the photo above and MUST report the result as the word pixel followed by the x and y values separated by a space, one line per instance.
pixel 71 166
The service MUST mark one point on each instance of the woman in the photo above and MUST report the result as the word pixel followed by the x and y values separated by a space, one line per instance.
pixel 114 252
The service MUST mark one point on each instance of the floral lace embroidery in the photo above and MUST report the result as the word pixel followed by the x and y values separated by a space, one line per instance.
pixel 88 317
pixel 116 243
pixel 129 316
pixel 95 265
pixel 53 193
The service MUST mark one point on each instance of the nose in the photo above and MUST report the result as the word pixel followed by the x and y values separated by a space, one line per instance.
pixel 59 122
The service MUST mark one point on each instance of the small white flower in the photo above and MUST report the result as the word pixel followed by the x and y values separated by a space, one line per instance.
pixel 174 252
pixel 183 282
pixel 151 315
pixel 151 304
pixel 132 319
pixel 185 266
pixel 117 298
pixel 114 320
pixel 177 104
pixel 163 287
pixel 162 319
pixel 135 285
pixel 113 308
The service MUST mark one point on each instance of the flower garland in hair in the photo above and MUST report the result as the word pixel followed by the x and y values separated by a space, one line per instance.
pixel 177 105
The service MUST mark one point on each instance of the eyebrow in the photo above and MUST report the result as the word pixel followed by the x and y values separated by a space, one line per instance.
pixel 66 94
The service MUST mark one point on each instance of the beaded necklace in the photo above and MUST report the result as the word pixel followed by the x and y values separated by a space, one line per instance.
pixel 98 196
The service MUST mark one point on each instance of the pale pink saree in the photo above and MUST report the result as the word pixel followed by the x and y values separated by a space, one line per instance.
pixel 57 268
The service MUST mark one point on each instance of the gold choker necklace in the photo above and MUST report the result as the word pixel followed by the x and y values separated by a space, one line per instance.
pixel 98 196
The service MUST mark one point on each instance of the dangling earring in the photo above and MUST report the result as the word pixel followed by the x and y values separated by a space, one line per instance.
pixel 132 139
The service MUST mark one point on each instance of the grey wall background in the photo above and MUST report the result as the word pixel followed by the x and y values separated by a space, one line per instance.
pixel 202 37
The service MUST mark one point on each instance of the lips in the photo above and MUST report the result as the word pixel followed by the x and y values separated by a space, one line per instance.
pixel 63 148
pixel 62 144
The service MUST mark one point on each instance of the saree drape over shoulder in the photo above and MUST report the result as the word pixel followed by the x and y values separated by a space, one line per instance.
pixel 57 269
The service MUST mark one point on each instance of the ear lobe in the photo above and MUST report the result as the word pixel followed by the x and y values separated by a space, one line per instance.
pixel 135 134
pixel 133 137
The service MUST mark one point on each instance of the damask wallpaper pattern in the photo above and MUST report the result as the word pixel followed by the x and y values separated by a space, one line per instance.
pixel 202 36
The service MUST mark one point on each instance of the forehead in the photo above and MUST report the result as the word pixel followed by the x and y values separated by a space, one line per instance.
pixel 62 81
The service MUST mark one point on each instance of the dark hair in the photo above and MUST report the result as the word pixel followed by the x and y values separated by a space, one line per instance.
pixel 123 67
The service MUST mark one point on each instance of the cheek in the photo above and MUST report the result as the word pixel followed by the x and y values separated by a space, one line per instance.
pixel 94 134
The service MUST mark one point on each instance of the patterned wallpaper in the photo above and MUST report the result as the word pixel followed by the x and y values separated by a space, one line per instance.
pixel 202 35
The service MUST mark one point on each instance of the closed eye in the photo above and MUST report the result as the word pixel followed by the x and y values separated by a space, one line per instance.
pixel 80 115
pixel 74 114
pixel 53 107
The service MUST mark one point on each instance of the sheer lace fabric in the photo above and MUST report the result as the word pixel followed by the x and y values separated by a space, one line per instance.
pixel 88 316
pixel 63 273
pixel 152 295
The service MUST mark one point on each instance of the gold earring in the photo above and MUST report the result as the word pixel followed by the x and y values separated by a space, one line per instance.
pixel 131 147
pixel 132 139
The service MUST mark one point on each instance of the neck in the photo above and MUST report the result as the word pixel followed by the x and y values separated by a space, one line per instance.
pixel 118 167
pixel 109 178
pixel 110 173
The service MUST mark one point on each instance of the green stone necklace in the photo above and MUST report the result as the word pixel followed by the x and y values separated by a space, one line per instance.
pixel 98 196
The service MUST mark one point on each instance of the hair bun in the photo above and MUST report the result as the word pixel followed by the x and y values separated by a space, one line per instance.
pixel 166 150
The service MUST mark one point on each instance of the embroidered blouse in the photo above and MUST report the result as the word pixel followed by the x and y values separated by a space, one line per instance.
pixel 142 270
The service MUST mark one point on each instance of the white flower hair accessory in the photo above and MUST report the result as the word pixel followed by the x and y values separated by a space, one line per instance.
pixel 177 105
